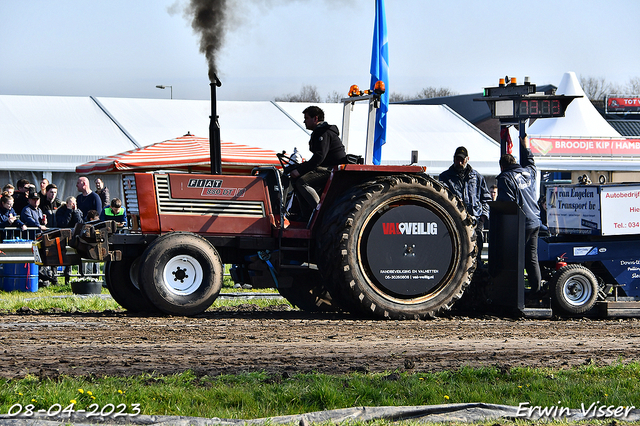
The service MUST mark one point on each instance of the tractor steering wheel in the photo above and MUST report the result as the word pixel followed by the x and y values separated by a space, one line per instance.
pixel 285 160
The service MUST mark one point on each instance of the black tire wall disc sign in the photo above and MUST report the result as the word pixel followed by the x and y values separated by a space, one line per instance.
pixel 408 250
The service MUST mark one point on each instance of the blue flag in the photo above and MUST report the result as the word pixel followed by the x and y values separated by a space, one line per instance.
pixel 380 71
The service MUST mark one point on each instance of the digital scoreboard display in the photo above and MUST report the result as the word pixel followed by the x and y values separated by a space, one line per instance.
pixel 530 107
pixel 525 107
pixel 539 108
pixel 510 102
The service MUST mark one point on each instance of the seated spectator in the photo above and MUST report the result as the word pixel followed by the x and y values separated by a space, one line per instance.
pixel 31 215
pixel 115 212
pixel 68 215
pixel 102 191
pixel 92 215
pixel 8 217
pixel 50 203
pixel 8 188
pixel 20 196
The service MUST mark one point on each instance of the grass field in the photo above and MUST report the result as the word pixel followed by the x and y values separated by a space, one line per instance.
pixel 257 395
pixel 60 298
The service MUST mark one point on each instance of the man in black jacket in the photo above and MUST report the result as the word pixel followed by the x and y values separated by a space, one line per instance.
pixel 21 195
pixel 517 182
pixel 310 176
pixel 470 186
pixel 50 203
pixel 68 215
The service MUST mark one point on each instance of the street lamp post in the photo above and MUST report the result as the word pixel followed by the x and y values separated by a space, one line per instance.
pixel 160 86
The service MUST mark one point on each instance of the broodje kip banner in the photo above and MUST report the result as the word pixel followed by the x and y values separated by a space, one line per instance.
pixel 584 147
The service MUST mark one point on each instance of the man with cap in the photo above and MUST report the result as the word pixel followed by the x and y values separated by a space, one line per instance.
pixel 31 214
pixel 470 186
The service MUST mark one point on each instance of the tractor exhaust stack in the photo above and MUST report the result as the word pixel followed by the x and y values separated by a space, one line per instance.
pixel 214 131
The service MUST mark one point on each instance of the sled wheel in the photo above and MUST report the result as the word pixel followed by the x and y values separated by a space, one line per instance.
pixel 399 247
pixel 575 289
pixel 181 273
pixel 122 282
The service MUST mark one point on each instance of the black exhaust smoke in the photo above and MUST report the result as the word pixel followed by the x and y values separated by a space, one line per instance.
pixel 208 21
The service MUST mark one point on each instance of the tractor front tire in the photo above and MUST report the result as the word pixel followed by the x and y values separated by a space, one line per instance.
pixel 181 273
pixel 122 282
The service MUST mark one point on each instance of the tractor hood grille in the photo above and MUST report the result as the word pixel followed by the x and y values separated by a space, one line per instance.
pixel 168 205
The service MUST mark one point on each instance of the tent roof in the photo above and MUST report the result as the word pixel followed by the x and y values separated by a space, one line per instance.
pixel 187 153
pixel 464 105
pixel 626 127
pixel 260 124
pixel 581 118
pixel 55 133
pixel 92 128
pixel 435 131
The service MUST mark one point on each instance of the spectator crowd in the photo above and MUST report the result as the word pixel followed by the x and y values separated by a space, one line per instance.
pixel 24 207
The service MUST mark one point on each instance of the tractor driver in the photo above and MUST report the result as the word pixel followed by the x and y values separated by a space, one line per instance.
pixel 310 176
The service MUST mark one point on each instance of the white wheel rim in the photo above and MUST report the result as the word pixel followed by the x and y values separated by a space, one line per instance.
pixel 577 290
pixel 182 275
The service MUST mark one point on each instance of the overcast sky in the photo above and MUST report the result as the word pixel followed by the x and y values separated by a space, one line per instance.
pixel 124 48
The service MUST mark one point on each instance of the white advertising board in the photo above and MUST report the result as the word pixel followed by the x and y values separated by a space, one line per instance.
pixel 620 209
pixel 573 209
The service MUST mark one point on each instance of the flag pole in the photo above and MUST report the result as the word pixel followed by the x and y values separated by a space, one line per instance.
pixel 380 72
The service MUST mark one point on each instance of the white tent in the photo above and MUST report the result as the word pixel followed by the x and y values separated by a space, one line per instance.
pixel 55 133
pixel 581 118
pixel 435 131
pixel 48 136
pixel 259 124
pixel 581 124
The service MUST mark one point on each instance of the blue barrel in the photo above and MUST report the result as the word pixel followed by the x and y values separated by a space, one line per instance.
pixel 20 277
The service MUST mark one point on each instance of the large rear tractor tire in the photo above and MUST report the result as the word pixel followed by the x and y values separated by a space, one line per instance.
pixel 398 247
pixel 181 273
pixel 575 289
pixel 122 282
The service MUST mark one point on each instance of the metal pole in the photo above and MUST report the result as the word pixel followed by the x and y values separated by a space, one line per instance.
pixel 214 132
pixel 371 127
pixel 346 122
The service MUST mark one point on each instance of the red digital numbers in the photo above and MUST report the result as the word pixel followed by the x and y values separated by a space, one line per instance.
pixel 546 107
pixel 539 108
pixel 524 108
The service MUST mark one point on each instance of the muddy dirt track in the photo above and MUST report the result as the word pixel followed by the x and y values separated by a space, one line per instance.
pixel 282 341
